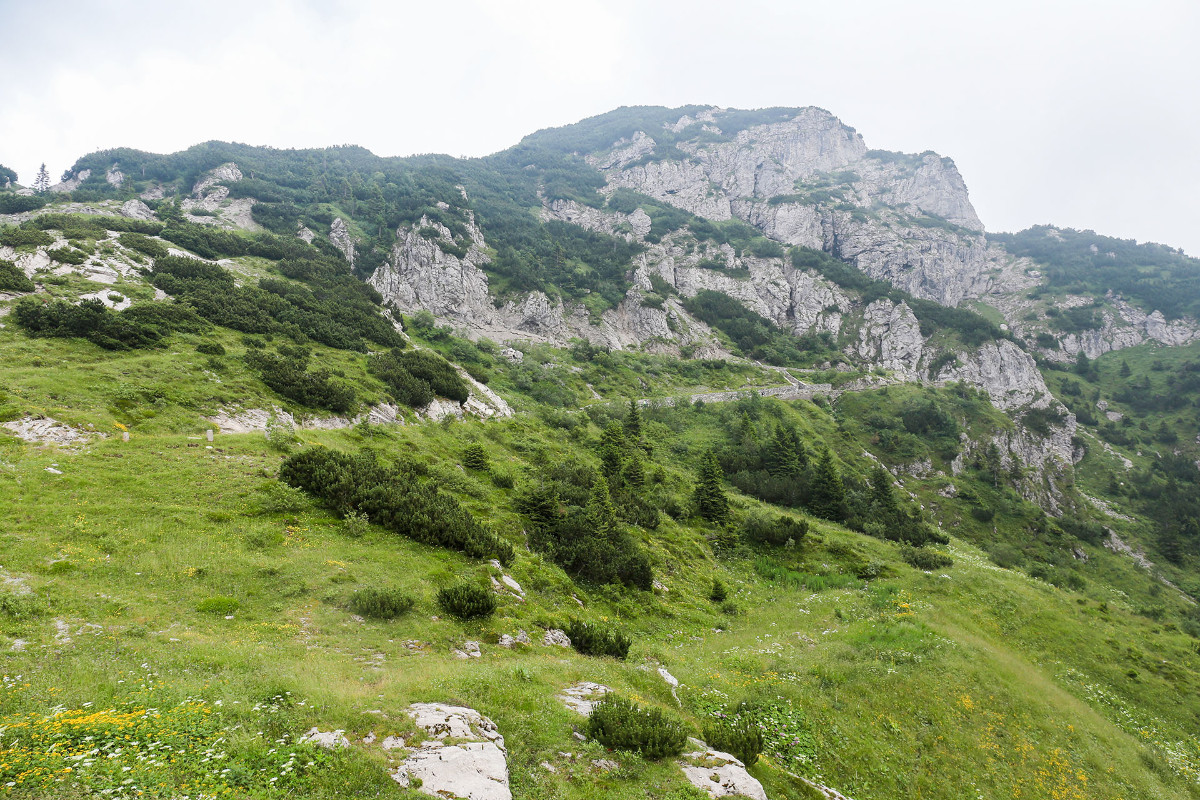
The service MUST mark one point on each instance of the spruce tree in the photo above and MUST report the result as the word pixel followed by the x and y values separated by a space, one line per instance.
pixel 600 510
pixel 612 455
pixel 883 500
pixel 711 502
pixel 633 422
pixel 785 454
pixel 827 496
pixel 635 471
pixel 41 184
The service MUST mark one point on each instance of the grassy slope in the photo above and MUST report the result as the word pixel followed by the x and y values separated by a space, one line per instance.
pixel 915 685
pixel 909 685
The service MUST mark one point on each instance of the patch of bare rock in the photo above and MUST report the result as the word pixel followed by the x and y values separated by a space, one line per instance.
pixel 464 756
pixel 44 430
pixel 719 774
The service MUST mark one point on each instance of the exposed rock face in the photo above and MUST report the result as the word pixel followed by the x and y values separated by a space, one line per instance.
pixel 44 430
pixel 208 195
pixel 136 209
pixel 72 183
pixel 1129 327
pixel 630 226
pixel 114 176
pixel 891 337
pixel 475 767
pixel 422 274
pixel 339 237
pixel 1006 372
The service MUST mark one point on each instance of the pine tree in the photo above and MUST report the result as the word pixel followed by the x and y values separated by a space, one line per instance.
pixel 600 510
pixel 635 471
pixel 785 454
pixel 827 497
pixel 711 502
pixel 633 422
pixel 612 452
pixel 41 184
pixel 883 499
pixel 1125 370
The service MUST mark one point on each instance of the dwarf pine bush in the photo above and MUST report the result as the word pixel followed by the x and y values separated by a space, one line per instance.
pixel 621 724
pixel 596 640
pixel 737 734
pixel 466 601
pixel 380 603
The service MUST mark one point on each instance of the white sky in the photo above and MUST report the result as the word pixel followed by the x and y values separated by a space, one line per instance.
pixel 1078 113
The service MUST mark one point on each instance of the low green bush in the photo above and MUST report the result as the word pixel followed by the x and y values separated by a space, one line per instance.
pixel 466 601
pixel 621 724
pixel 737 734
pixel 394 497
pixel 143 244
pixel 718 593
pixel 596 640
pixel 925 558
pixel 13 279
pixel 211 348
pixel 475 457
pixel 380 603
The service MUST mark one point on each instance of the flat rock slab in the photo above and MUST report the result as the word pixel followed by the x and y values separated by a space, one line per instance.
pixel 328 739
pixel 582 696
pixel 474 766
pixel 44 430
pixel 720 774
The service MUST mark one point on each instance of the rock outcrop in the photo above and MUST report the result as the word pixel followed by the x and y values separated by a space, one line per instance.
pixel 720 774
pixel 473 765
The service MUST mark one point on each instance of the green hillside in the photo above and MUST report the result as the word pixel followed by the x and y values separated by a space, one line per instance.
pixel 850 577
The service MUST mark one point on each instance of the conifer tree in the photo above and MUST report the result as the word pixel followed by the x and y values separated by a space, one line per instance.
pixel 612 455
pixel 600 510
pixel 827 497
pixel 785 454
pixel 633 422
pixel 635 471
pixel 41 184
pixel 711 502
pixel 883 500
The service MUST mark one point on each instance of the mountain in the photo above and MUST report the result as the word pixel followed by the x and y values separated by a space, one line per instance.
pixel 756 426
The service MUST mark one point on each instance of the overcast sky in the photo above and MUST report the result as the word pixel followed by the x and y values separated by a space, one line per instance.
pixel 1082 114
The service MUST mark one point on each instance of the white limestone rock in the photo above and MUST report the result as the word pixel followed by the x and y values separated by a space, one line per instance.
pixel 339 237
pixel 475 767
pixel 583 696
pixel 330 740
pixel 136 209
pixel 720 774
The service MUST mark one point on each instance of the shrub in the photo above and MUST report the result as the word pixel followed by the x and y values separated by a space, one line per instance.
pixel 595 640
pixel 394 498
pixel 279 498
pixel 466 601
pixel 13 279
pixel 761 529
pixel 88 320
pixel 925 559
pixel 503 480
pixel 737 734
pixel 143 244
pixel 211 348
pixel 220 605
pixel 380 603
pixel 475 457
pixel 17 238
pixel 291 378
pixel 621 724
pixel 718 593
